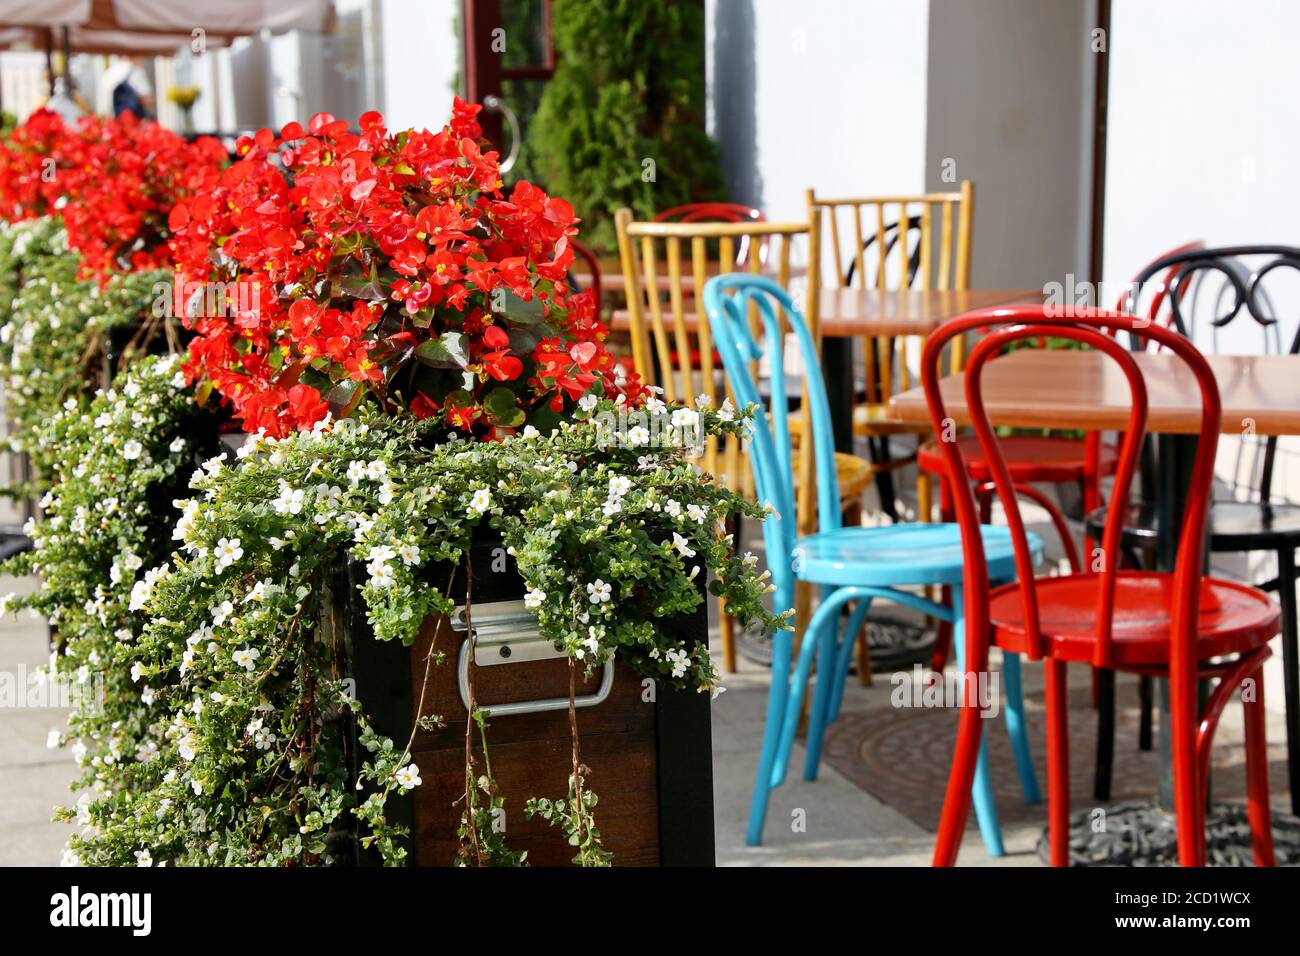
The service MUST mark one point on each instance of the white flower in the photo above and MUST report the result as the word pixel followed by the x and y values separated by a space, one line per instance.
pixel 598 592
pixel 381 575
pixel 481 501
pixel 376 470
pixel 534 598
pixel 143 857
pixel 132 450
pixel 638 435
pixel 147 752
pixel 381 554
pixel 703 400
pixel 221 612
pixel 673 508
pixel 588 402
pixel 696 513
pixel 726 412
pixel 263 738
pixel 228 552
pixel 409 554
pixel 188 746
pixel 685 418
pixel 177 445
pixel 258 593
pixel 409 777
pixel 329 496
pixel 683 546
pixel 387 492
pixel 53 740
pixel 529 432
pixel 290 501
pixel 356 471
pixel 69 857
pixel 246 657
pixel 137 671
pixel 619 485
pixel 147 695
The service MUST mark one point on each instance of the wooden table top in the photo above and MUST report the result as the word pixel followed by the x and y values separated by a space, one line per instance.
pixel 850 312
pixel 1087 390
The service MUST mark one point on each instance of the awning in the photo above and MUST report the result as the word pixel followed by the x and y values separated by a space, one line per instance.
pixel 97 26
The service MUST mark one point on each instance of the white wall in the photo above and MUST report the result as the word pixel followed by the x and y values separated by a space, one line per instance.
pixel 828 94
pixel 1203 138
pixel 419 48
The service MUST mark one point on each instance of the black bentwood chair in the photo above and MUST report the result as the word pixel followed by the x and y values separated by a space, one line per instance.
pixel 1218 298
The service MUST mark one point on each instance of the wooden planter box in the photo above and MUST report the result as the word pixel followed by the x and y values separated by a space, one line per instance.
pixel 650 754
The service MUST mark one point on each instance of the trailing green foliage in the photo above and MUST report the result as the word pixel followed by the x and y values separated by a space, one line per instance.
pixel 52 328
pixel 219 736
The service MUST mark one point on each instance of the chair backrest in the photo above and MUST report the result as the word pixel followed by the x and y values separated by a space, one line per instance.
pixel 730 302
pixel 710 212
pixel 719 212
pixel 672 345
pixel 920 242
pixel 1158 286
pixel 1208 294
pixel 1090 327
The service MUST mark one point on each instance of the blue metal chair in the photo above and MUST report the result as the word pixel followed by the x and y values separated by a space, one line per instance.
pixel 850 564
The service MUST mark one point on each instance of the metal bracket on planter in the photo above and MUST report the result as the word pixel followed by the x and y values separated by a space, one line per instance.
pixel 505 632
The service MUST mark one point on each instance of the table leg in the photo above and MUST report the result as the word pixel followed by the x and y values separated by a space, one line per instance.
pixel 837 370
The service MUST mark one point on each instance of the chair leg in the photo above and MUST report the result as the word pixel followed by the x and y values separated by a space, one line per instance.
pixel 1189 791
pixel 1146 698
pixel 1016 729
pixel 862 657
pixel 986 810
pixel 924 496
pixel 1257 809
pixel 1105 734
pixel 826 611
pixel 878 452
pixel 777 698
pixel 856 622
pixel 828 640
pixel 1290 671
pixel 728 629
pixel 1058 764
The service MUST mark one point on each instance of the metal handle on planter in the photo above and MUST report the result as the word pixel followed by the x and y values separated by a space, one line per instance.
pixel 505 632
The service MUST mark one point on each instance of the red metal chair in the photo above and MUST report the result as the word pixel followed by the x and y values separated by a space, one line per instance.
pixel 1159 623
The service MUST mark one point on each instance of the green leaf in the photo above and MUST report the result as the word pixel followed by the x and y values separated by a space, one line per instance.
pixel 502 408
pixel 343 398
pixel 448 351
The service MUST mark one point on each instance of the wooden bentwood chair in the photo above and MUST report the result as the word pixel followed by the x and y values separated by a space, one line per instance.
pixel 673 348
pixel 894 243
pixel 1184 625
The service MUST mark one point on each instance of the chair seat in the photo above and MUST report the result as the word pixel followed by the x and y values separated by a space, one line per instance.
pixel 900 554
pixel 1043 458
pixel 871 419
pixel 876 418
pixel 1234 525
pixel 854 474
pixel 1234 617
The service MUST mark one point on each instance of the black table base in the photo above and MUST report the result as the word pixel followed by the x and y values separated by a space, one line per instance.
pixel 1139 833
